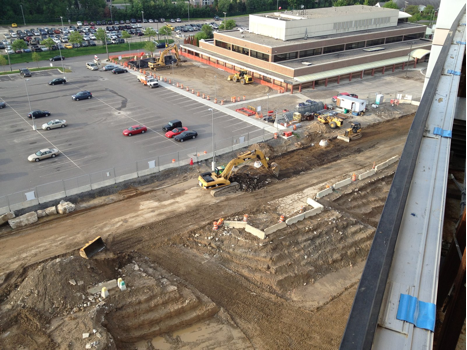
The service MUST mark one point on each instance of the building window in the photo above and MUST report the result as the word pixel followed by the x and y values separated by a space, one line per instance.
pixel 312 52
pixel 413 36
pixel 259 55
pixel 222 44
pixel 393 39
pixel 285 56
pixel 357 45
pixel 240 49
pixel 335 48
pixel 375 42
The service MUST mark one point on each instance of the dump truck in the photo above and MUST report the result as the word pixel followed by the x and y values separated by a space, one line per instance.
pixel 92 248
pixel 352 133
pixel 166 59
pixel 218 181
pixel 243 77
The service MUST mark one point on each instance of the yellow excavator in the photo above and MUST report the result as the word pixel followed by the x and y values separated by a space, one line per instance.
pixel 166 59
pixel 218 180
pixel 243 77
pixel 353 133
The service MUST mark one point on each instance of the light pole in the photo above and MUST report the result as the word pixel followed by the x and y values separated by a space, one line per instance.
pixel 9 63
pixel 277 5
pixel 106 48
pixel 212 126
pixel 408 58
pixel 59 49
pixel 24 20
pixel 225 25
pixel 32 116
pixel 142 16
pixel 188 10
pixel 215 87
pixel 111 17
pixel 267 106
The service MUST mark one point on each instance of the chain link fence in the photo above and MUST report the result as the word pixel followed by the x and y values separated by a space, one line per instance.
pixel 61 189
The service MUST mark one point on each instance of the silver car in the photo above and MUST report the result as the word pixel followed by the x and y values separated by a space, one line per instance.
pixel 92 66
pixel 54 124
pixel 43 154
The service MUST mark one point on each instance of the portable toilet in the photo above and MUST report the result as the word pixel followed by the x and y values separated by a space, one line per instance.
pixel 379 99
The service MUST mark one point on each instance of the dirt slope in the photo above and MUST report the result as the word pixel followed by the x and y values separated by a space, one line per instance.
pixel 260 291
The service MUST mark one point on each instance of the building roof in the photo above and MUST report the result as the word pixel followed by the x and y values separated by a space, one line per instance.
pixel 324 12
pixel 271 42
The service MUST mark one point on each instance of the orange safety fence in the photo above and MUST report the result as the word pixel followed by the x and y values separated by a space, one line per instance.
pixel 231 71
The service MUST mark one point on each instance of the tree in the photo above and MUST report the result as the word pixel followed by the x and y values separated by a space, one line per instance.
pixel 415 18
pixel 166 31
pixel 48 43
pixel 19 44
pixel 150 32
pixel 207 30
pixel 36 58
pixel 126 36
pixel 229 24
pixel 3 61
pixel 150 46
pixel 224 5
pixel 101 35
pixel 412 9
pixel 75 38
pixel 391 5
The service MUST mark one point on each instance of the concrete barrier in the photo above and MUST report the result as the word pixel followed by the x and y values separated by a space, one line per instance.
pixel 381 166
pixel 126 177
pixel 103 183
pixel 313 203
pixel 274 228
pixel 294 219
pixel 235 224
pixel 342 183
pixel 51 197
pixel 255 232
pixel 324 193
pixel 366 174
pixel 23 205
pixel 313 212
pixel 393 160
pixel 77 190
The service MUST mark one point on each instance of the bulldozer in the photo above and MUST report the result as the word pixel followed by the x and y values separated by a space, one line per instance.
pixel 333 121
pixel 243 77
pixel 218 180
pixel 352 133
pixel 166 60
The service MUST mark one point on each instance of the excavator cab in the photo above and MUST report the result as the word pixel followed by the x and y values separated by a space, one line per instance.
pixel 219 170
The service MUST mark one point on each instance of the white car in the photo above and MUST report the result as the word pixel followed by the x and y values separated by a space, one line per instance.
pixel 86 38
pixel 79 23
pixel 92 37
pixel 43 154
pixel 92 66
pixel 54 124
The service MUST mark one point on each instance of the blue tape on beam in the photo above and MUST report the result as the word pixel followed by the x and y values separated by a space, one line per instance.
pixel 419 313
pixel 460 42
pixel 442 132
pixel 453 72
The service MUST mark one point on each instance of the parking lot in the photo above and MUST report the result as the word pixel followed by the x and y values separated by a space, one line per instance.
pixel 93 141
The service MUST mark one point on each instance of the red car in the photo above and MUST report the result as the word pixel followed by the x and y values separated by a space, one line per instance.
pixel 175 132
pixel 334 98
pixel 135 129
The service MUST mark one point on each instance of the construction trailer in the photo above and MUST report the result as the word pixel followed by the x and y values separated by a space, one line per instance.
pixel 351 104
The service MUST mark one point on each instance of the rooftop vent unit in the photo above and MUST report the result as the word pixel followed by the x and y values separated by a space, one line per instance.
pixel 307 63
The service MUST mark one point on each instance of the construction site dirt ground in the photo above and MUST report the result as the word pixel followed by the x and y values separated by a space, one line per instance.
pixel 190 287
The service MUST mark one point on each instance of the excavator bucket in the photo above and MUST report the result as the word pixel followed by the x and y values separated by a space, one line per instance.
pixel 275 169
pixel 92 248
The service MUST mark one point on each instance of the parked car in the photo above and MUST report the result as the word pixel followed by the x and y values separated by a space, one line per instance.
pixel 172 125
pixel 150 20
pixel 24 72
pixel 175 132
pixel 57 58
pixel 43 154
pixel 79 23
pixel 119 70
pixel 134 130
pixel 186 135
pixel 2 104
pixel 109 67
pixel 82 95
pixel 160 44
pixel 57 81
pixel 54 124
pixel 91 66
pixel 353 95
pixel 38 114
pixel 178 20
pixel 68 46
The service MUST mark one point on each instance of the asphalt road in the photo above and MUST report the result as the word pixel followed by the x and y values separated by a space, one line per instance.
pixel 93 142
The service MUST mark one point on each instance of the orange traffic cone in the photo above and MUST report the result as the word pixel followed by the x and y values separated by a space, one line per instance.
pixel 354 177
pixel 191 161
pixel 245 218
pixel 282 219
